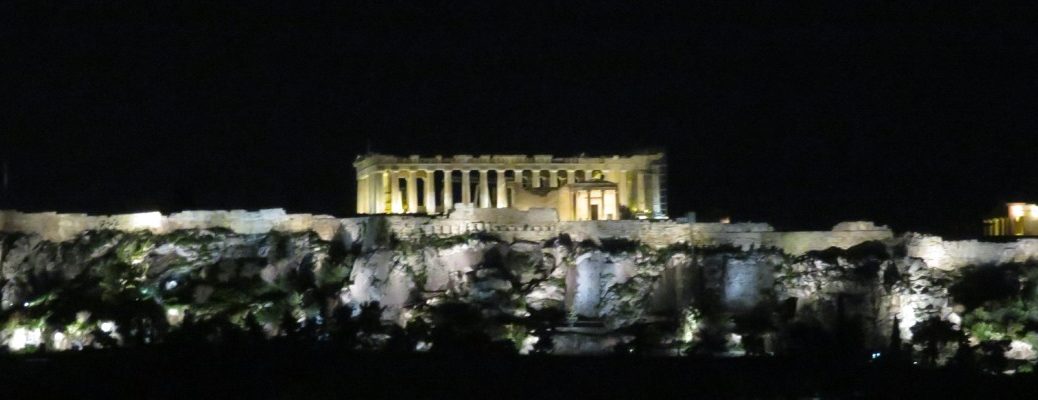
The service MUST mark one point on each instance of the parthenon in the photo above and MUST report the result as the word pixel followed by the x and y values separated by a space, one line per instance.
pixel 580 188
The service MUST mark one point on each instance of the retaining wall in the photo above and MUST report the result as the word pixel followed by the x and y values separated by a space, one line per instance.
pixel 508 224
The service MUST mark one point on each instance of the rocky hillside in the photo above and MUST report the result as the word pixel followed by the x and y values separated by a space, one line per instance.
pixel 478 293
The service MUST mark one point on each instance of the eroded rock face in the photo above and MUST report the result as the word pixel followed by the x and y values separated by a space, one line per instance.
pixel 516 291
pixel 382 277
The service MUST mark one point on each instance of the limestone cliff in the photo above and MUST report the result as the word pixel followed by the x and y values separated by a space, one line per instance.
pixel 372 290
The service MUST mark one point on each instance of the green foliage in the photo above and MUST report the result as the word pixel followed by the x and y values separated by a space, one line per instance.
pixel 983 330
pixel 333 276
pixel 134 248
pixel 517 334
pixel 1001 306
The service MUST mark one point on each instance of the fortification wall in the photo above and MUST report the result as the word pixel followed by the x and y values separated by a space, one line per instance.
pixel 652 233
pixel 508 224
pixel 60 227
pixel 744 235
pixel 755 235
pixel 843 235
pixel 953 254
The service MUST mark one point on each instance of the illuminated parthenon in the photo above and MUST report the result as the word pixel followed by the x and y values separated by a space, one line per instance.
pixel 580 188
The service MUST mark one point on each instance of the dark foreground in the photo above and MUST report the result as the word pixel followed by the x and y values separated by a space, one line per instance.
pixel 288 372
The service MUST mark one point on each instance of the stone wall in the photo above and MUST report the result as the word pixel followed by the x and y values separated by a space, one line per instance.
pixel 60 227
pixel 843 235
pixel 744 235
pixel 536 224
pixel 953 254
pixel 652 233
pixel 755 235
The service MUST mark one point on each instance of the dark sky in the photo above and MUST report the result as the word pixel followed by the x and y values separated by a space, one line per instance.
pixel 921 118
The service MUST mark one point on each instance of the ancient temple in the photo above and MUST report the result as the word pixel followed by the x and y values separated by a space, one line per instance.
pixel 580 188
pixel 1021 219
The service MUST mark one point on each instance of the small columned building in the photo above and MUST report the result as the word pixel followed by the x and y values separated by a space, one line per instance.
pixel 580 188
pixel 1021 219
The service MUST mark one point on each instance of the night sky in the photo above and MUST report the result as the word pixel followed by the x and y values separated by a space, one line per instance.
pixel 924 119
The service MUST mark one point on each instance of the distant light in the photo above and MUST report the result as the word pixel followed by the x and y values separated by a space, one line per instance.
pixel 174 316
pixel 107 326
pixel 171 284
pixel 149 220
pixel 1016 210
pixel 60 341
pixel 24 337
pixel 875 355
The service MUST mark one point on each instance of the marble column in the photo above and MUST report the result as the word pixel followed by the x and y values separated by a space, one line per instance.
pixel 379 197
pixel 412 192
pixel 640 188
pixel 448 191
pixel 370 192
pixel 588 175
pixel 517 179
pixel 502 193
pixel 466 187
pixel 571 176
pixel 397 203
pixel 621 187
pixel 430 192
pixel 362 185
pixel 609 208
pixel 484 189
pixel 535 178
pixel 553 178
pixel 654 191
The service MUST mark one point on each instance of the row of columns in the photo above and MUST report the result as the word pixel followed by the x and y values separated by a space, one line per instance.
pixel 372 190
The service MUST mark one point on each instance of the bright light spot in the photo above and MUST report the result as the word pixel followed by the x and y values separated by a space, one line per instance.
pixel 174 316
pixel 875 355
pixel 1016 210
pixel 908 320
pixel 171 284
pixel 150 220
pixel 689 325
pixel 60 341
pixel 24 337
pixel 107 326
pixel 528 343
